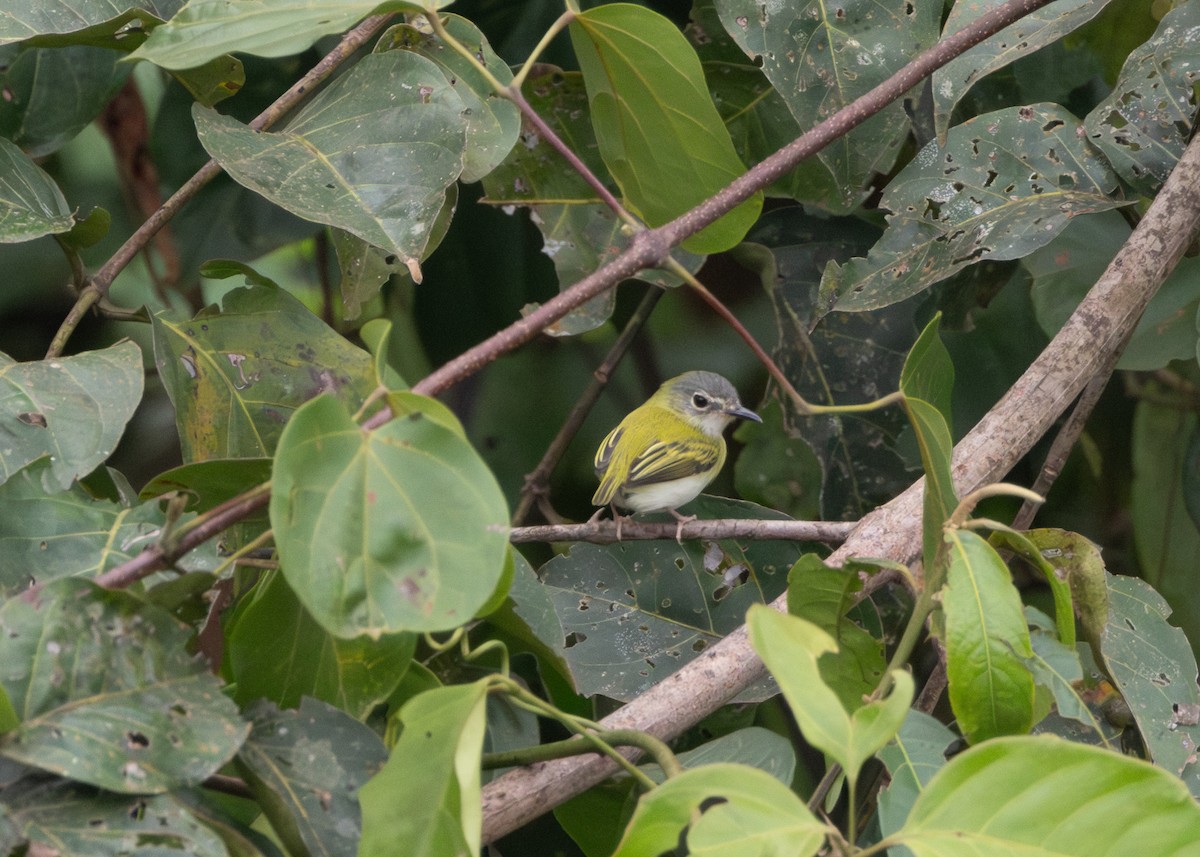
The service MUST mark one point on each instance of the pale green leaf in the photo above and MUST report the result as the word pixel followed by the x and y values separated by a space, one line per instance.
pixel 80 20
pixel 31 205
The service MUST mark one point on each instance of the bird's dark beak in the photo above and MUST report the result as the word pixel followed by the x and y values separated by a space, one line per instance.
pixel 743 413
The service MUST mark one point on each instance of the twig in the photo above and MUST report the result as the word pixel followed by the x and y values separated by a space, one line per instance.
pixel 605 532
pixel 1097 328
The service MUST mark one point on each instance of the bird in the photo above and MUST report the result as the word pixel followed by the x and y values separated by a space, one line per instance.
pixel 667 450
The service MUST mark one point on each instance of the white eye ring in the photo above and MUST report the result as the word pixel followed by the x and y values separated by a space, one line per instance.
pixel 699 401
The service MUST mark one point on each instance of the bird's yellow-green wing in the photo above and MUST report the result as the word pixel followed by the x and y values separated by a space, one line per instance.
pixel 609 475
pixel 666 461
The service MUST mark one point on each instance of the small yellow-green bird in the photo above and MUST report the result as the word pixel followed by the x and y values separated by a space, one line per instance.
pixel 665 452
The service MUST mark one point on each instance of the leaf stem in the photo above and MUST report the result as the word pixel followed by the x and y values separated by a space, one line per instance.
pixel 560 24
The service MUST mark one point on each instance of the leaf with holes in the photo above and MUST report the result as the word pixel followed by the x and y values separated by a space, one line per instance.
pixel 69 410
pixel 1004 184
pixel 108 693
pixel 236 375
pixel 635 612
pixel 820 56
pixel 1147 120
pixel 305 768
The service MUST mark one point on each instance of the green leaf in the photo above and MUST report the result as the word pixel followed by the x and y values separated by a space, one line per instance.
pixel 928 372
pixel 364 269
pixel 210 483
pixel 235 376
pixel 1052 798
pixel 1034 31
pixel 1057 667
pixel 939 499
pixel 1065 269
pixel 823 595
pixel 71 410
pixel 1058 556
pixel 45 535
pixel 1004 184
pixel 721 811
pixel 580 233
pixel 224 269
pixel 108 693
pixel 1146 121
pixel 659 133
pixel 31 205
pixel 276 650
pixel 433 775
pixel 372 154
pixel 205 29
pixel 821 57
pixel 790 647
pixel 408 515
pixel 62 817
pixel 912 758
pixel 991 689
pixel 753 746
pixel 88 231
pixel 51 94
pixel 492 122
pixel 634 612
pixel 80 21
pixel 1153 666
pixel 305 769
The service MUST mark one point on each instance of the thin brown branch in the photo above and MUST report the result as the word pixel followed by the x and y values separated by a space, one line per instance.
pixel 605 532
pixel 1098 328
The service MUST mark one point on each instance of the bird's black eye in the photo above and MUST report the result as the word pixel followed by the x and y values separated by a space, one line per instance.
pixel 700 401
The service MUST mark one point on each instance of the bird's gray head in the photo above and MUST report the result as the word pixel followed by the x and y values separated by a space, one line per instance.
pixel 707 400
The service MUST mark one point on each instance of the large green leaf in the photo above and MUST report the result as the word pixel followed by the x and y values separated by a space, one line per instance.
pixel 1034 31
pixel 492 122
pixel 108 694
pixel 1051 798
pixel 53 93
pixel 398 529
pixel 580 233
pixel 31 205
pixel 276 650
pixel 70 410
pixel 1146 121
pixel 1154 668
pixel 373 154
pixel 991 688
pixel 820 56
pixel 81 19
pixel 45 535
pixel 426 800
pixel 658 130
pixel 205 29
pixel 1004 184
pixel 634 612
pixel 790 647
pixel 305 768
pixel 235 376
pixel 722 810
pixel 62 817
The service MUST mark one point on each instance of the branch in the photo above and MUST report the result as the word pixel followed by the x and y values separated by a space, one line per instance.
pixel 1095 331
pixel 605 532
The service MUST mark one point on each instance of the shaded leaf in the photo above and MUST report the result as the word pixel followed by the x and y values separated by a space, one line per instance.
pixel 753 746
pixel 108 694
pixel 62 817
pixel 235 376
pixel 210 483
pixel 635 612
pixel 1153 666
pixel 659 133
pixel 205 29
pixel 276 650
pixel 305 768
pixel 433 773
pixel 1147 120
pixel 987 641
pixel 408 514
pixel 46 535
pixel 82 22
pixel 372 154
pixel 821 57
pixel 912 758
pixel 790 647
pixel 1016 41
pixel 31 205
pixel 1004 184
pixel 722 810
pixel 1045 796
pixel 70 410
